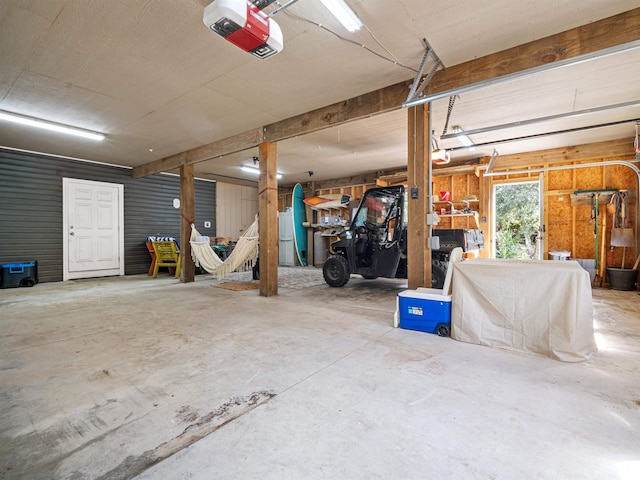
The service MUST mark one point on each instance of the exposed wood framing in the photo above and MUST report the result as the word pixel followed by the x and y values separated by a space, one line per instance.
pixel 268 220
pixel 227 146
pixel 373 103
pixel 599 35
pixel 591 151
pixel 587 39
pixel 419 268
pixel 356 180
pixel 187 214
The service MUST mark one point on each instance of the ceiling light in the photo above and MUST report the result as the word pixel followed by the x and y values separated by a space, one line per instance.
pixel 464 140
pixel 256 171
pixel 55 127
pixel 344 14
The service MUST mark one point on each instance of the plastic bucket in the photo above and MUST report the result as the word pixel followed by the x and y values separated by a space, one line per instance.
pixel 559 255
pixel 622 278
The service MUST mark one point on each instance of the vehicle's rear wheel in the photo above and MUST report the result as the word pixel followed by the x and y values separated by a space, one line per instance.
pixel 336 271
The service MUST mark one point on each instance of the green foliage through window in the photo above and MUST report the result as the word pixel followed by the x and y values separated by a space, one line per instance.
pixel 517 220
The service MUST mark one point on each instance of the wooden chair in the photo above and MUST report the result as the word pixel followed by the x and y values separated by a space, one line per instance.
pixel 153 257
pixel 167 255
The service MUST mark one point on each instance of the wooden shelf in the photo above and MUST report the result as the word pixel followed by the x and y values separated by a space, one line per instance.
pixel 452 202
pixel 473 214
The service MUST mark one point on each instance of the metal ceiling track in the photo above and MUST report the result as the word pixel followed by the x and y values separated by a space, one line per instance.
pixel 282 7
pixel 418 86
pixel 262 4
pixel 522 123
pixel 544 134
pixel 523 73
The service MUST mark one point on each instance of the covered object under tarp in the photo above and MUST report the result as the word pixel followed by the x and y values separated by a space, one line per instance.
pixel 542 307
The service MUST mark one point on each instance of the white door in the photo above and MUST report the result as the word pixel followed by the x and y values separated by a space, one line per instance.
pixel 93 229
pixel 541 227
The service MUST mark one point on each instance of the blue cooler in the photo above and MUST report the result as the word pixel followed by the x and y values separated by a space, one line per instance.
pixel 23 274
pixel 425 310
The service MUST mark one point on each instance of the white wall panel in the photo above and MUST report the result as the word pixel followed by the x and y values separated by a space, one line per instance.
pixel 237 206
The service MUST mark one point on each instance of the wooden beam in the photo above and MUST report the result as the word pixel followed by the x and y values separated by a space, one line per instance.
pixel 621 148
pixel 373 103
pixel 227 146
pixel 187 214
pixel 587 39
pixel 268 220
pixel 418 255
pixel 486 206
pixel 355 180
pixel 609 32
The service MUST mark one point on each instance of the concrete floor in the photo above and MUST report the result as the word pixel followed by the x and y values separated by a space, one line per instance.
pixel 135 377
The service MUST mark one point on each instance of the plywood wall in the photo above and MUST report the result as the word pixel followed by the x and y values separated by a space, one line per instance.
pixel 568 227
pixel 459 187
pixel 571 226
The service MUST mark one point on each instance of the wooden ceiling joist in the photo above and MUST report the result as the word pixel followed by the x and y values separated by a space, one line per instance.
pixel 596 36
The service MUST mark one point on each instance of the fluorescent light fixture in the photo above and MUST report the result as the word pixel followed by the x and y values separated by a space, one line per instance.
pixel 256 171
pixel 55 127
pixel 464 140
pixel 344 14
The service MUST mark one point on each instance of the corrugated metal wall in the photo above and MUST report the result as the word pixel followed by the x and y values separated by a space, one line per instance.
pixel 31 209
pixel 237 208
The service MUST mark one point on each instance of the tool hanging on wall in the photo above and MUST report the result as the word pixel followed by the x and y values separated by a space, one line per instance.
pixel 603 245
pixel 621 234
pixel 594 217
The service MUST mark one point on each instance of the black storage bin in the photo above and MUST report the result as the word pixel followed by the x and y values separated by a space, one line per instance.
pixel 20 274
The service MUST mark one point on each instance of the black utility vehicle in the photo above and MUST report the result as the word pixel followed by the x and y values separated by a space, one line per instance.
pixel 375 243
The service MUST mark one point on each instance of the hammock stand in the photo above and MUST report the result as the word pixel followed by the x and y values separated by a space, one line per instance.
pixel 242 258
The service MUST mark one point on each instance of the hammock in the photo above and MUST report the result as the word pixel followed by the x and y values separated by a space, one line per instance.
pixel 242 257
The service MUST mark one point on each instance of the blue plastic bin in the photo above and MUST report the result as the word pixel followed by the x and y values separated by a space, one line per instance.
pixel 20 274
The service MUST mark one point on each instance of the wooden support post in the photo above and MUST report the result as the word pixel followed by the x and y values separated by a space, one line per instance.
pixel 419 256
pixel 268 208
pixel 187 214
pixel 486 205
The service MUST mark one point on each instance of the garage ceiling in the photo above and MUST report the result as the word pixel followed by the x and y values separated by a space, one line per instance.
pixel 157 82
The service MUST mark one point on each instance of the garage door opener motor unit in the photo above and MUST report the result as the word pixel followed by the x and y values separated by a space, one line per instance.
pixel 23 274
pixel 245 25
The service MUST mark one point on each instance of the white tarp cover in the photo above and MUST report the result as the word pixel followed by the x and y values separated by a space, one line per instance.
pixel 527 305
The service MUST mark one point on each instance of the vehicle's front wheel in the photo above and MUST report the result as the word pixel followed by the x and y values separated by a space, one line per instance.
pixel 336 271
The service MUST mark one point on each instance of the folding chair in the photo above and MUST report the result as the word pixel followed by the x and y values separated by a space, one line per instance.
pixel 167 255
